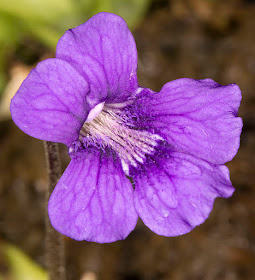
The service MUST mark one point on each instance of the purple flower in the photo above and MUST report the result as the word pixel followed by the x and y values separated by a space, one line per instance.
pixel 173 143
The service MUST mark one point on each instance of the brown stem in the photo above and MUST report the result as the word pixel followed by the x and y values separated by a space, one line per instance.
pixel 55 255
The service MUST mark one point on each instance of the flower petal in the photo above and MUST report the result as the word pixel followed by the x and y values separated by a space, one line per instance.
pixel 198 117
pixel 103 50
pixel 93 200
pixel 51 102
pixel 178 195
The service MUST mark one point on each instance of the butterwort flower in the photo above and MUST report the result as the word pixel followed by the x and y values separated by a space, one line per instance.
pixel 173 143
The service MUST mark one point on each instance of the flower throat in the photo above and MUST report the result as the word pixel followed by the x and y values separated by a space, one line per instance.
pixel 111 128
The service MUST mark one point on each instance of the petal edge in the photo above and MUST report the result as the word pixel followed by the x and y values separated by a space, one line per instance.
pixel 104 51
pixel 51 102
pixel 93 200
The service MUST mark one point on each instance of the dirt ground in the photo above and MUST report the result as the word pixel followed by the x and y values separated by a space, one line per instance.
pixel 196 39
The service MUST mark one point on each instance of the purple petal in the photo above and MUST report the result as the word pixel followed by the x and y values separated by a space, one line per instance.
pixel 93 200
pixel 178 194
pixel 51 102
pixel 198 117
pixel 103 50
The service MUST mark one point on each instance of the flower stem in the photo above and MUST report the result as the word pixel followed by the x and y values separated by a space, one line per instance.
pixel 55 255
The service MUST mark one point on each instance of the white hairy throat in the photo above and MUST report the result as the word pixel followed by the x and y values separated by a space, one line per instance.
pixel 108 126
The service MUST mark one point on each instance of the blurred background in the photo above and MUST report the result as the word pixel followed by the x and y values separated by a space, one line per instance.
pixel 175 38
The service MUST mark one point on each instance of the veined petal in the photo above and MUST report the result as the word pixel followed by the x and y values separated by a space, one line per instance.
pixel 178 194
pixel 93 200
pixel 198 117
pixel 51 102
pixel 103 50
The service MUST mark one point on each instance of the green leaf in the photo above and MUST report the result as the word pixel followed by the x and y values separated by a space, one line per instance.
pixel 47 20
pixel 21 266
pixel 37 10
pixel 9 32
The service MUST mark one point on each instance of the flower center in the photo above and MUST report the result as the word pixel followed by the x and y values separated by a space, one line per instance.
pixel 112 128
